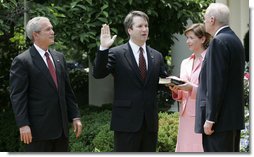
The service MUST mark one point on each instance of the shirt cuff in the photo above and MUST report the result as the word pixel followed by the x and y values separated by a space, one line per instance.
pixel 210 121
pixel 76 119
pixel 102 48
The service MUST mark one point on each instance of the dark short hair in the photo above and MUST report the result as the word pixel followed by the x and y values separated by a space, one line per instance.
pixel 128 21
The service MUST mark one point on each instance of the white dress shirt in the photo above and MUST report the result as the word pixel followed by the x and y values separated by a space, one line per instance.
pixel 42 54
pixel 135 50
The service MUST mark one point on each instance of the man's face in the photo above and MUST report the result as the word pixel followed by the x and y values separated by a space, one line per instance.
pixel 45 36
pixel 139 31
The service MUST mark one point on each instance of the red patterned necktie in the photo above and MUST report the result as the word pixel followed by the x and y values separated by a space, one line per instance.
pixel 51 68
pixel 142 63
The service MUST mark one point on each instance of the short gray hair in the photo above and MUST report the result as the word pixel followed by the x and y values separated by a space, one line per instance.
pixel 34 25
pixel 220 12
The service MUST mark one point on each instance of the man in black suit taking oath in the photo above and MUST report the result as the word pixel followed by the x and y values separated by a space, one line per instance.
pixel 41 95
pixel 136 69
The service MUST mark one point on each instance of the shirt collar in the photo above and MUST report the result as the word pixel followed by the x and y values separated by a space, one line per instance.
pixel 202 55
pixel 41 51
pixel 135 47
pixel 220 29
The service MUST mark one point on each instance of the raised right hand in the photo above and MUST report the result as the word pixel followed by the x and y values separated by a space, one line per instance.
pixel 105 39
pixel 25 134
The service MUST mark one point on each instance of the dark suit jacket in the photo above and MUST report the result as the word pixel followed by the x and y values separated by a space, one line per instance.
pixel 134 99
pixel 35 99
pixel 220 91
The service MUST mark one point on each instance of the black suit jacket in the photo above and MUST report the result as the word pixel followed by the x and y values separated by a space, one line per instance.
pixel 220 91
pixel 35 99
pixel 134 99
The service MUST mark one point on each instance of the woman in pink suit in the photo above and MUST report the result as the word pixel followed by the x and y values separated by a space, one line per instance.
pixel 197 41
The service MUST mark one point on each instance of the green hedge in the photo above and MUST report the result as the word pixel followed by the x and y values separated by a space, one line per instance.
pixel 97 136
pixel 103 141
pixel 167 135
pixel 93 119
pixel 9 134
pixel 79 83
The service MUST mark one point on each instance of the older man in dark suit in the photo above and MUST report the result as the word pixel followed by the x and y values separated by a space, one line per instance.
pixel 219 105
pixel 136 69
pixel 41 94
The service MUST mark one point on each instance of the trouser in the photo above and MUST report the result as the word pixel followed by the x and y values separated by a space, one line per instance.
pixel 140 141
pixel 228 141
pixel 55 145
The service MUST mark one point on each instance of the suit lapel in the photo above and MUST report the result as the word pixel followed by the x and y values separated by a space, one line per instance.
pixel 150 60
pixel 131 60
pixel 133 64
pixel 40 64
pixel 57 66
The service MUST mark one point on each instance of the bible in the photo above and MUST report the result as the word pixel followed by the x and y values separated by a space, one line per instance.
pixel 171 80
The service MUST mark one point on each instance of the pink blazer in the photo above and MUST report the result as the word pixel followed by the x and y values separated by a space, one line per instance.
pixel 188 99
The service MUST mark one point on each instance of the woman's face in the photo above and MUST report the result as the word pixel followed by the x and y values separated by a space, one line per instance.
pixel 194 43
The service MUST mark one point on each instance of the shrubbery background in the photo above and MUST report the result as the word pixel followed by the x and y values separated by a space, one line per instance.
pixel 96 135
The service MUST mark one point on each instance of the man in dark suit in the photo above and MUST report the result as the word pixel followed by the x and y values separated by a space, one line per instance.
pixel 41 95
pixel 136 69
pixel 219 105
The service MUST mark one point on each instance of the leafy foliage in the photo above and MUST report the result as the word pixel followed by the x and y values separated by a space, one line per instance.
pixel 103 141
pixel 11 41
pixel 164 98
pixel 93 119
pixel 79 84
pixel 98 132
pixel 9 133
pixel 168 129
pixel 245 134
pixel 79 36
pixel 77 25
